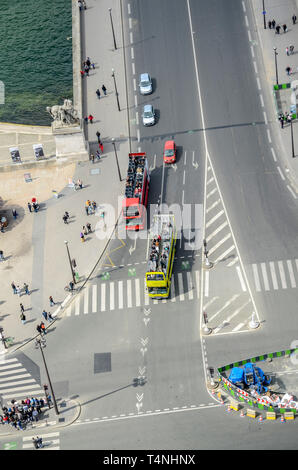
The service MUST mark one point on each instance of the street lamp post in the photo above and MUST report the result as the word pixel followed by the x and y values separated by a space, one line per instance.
pixel 112 26
pixel 70 263
pixel 276 72
pixel 116 156
pixel 116 91
pixel 264 14
pixel 41 343
pixel 292 139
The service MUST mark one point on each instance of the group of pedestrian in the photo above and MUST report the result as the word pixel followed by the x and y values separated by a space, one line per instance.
pixel 47 316
pixel 41 328
pixel 87 229
pixel 104 90
pixel 18 290
pixel 90 207
pixel 284 118
pixel 290 50
pixel 18 415
pixel 87 65
pixel 82 4
pixel 89 118
pixel 33 207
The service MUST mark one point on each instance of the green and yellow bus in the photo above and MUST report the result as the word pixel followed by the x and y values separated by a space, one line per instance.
pixel 161 255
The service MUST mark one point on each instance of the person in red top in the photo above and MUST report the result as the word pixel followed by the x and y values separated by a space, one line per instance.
pixel 82 73
pixel 90 117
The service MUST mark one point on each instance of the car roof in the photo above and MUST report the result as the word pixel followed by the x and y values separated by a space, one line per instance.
pixel 144 76
pixel 148 107
pixel 169 144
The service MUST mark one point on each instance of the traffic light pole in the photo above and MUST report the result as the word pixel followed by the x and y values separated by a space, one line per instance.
pixel 48 377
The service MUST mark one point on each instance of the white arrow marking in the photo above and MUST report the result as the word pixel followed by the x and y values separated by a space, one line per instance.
pixel 174 166
pixel 139 405
pixel 147 311
pixel 153 167
pixel 143 350
pixel 144 342
pixel 132 248
pixel 146 321
pixel 194 164
pixel 142 370
pixel 140 397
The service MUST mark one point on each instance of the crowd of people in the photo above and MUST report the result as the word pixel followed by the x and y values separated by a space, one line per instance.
pixel 284 118
pixel 20 414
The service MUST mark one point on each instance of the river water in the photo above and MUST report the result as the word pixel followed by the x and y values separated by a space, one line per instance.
pixel 36 58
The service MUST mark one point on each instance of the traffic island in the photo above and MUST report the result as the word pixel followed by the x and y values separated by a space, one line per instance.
pixel 266 383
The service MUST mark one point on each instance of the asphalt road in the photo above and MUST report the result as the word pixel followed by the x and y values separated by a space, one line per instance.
pixel 162 341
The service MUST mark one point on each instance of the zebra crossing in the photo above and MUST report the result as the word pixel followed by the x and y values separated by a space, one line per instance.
pixel 221 247
pixel 275 275
pixel 16 381
pixel 50 441
pixel 131 293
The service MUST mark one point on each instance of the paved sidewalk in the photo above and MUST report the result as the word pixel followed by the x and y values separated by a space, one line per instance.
pixel 281 11
pixel 69 411
pixel 34 244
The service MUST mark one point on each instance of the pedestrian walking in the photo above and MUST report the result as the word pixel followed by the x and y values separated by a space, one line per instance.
pixel 289 118
pixel 82 73
pixel 71 285
pixel 43 328
pixel 18 291
pixel 80 184
pixel 65 219
pixel 86 209
pixel 29 207
pixel 281 120
pixel 98 136
pixel 273 23
pixel 269 24
pixel 23 318
pixel 26 288
pixel 292 49
pixel 14 213
pixel 294 18
pixel 14 289
pixel 94 205
pixel 86 119
pixel 44 314
pixel 80 4
pixel 88 225
pixel 52 303
pixel 84 4
pixel 101 146
pixel 98 93
pixel 90 117
pixel 88 62
pixel 92 157
pixel 287 51
pixel 104 89
pixel 288 70
pixel 22 308
pixel 97 154
pixel 39 330
pixel 85 230
pixel 50 318
pixel 66 214
pixel 35 415
pixel 277 29
pixel 93 65
pixel 86 70
pixel 1 255
pixel 285 28
pixel 82 237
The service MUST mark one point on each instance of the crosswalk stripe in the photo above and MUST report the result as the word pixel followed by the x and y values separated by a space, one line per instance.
pixel 9 366
pixel 25 387
pixel 215 232
pixel 206 289
pixel 120 295
pixel 17 382
pixel 173 297
pixel 20 376
pixel 129 296
pixel 282 274
pixel 256 277
pixel 180 285
pixel 214 218
pixel 68 311
pixel 77 306
pixel 6 361
pixel 103 298
pixel 291 273
pixel 239 272
pixel 198 283
pixel 94 298
pixel 190 285
pixel 265 277
pixel 212 206
pixel 10 372
pixel 45 442
pixel 112 293
pixel 137 289
pixel 86 299
pixel 51 434
pixel 222 256
pixel 273 275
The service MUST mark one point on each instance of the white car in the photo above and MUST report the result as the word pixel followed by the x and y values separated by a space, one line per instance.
pixel 145 84
pixel 148 115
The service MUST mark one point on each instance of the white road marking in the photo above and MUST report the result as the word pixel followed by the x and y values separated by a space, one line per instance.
pixel 265 277
pixel 246 20
pixel 223 240
pixel 129 295
pixel 273 154
pixel 206 284
pixel 189 285
pixel 256 277
pixel 112 296
pixel 217 230
pixel 86 299
pixel 103 298
pixel 94 298
pixel 243 286
pixel 269 136
pixel 223 255
pixel 214 218
pixel 77 306
pixel 138 291
pixel 262 100
pixel 255 67
pixel 252 51
pixel 291 273
pixel 128 8
pixel 282 274
pixel 265 118
pixel 291 191
pixel 273 275
pixel 120 294
pixel 281 173
pixel 258 83
pixel 180 285
pixel 132 53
